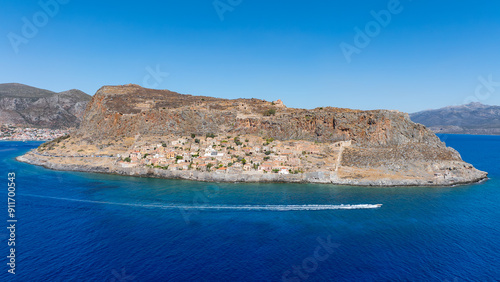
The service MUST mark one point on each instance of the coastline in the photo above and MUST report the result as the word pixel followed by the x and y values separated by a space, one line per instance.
pixel 318 177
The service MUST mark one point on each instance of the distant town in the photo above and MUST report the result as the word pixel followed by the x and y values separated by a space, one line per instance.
pixel 14 133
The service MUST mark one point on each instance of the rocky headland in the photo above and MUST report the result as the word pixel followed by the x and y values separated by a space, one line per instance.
pixel 130 130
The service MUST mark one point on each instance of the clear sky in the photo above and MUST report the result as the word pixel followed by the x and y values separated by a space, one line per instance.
pixel 417 55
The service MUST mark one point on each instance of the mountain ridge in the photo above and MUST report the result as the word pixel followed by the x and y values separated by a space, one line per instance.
pixel 472 118
pixel 28 106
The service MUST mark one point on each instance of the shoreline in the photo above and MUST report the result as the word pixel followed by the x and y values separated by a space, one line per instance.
pixel 319 177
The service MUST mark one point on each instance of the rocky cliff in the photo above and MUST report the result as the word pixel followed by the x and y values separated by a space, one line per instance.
pixel 28 106
pixel 129 110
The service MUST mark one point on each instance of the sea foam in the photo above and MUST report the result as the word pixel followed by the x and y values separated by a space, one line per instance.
pixel 223 207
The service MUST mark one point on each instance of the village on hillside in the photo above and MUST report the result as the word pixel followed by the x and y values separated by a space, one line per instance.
pixel 15 133
pixel 234 154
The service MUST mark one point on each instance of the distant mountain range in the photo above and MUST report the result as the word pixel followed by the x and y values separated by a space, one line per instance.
pixel 24 105
pixel 473 118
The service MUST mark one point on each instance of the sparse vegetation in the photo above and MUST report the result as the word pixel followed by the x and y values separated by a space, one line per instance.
pixel 237 141
pixel 270 112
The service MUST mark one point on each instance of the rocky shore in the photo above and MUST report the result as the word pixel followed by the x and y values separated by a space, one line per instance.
pixel 322 177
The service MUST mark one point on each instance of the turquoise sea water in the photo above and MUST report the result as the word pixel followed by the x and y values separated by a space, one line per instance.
pixel 92 227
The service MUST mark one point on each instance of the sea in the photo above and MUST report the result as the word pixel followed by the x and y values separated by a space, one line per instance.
pixel 73 226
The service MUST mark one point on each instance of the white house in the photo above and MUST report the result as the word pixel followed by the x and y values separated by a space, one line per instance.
pixel 209 152
pixel 284 171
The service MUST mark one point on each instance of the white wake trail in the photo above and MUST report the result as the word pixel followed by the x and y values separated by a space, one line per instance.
pixel 224 207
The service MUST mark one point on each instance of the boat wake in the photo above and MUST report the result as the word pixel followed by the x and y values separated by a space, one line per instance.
pixel 224 207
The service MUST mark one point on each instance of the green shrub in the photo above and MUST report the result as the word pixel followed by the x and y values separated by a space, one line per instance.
pixel 270 112
pixel 237 141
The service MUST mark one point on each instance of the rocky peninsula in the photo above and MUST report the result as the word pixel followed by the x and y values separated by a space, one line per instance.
pixel 130 130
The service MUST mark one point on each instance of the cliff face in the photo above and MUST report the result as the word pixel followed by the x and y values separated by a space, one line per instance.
pixel 129 110
pixel 29 106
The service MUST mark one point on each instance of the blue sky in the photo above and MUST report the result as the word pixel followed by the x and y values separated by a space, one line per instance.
pixel 427 55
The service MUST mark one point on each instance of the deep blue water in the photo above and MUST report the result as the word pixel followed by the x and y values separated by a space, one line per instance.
pixel 92 227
